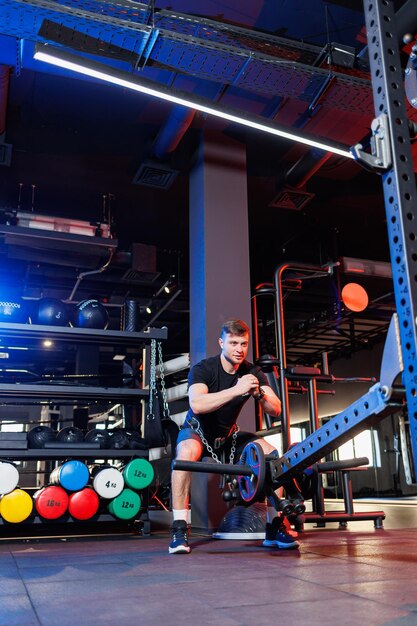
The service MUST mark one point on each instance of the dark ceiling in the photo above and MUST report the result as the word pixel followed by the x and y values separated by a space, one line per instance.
pixel 77 144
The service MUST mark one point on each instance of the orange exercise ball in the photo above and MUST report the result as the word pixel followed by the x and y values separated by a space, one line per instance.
pixel 354 297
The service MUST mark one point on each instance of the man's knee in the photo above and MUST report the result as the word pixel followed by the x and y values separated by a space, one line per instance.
pixel 189 450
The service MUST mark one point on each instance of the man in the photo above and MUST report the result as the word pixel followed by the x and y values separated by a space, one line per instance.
pixel 218 388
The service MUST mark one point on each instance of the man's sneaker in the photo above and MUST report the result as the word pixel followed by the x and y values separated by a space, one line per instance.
pixel 179 543
pixel 276 536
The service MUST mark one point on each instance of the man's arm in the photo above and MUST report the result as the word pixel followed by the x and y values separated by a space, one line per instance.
pixel 201 401
pixel 269 401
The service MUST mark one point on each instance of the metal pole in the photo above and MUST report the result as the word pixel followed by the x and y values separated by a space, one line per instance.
pixel 398 184
pixel 280 341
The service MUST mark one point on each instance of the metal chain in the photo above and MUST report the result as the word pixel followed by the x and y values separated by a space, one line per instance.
pixel 162 377
pixel 152 379
pixel 214 456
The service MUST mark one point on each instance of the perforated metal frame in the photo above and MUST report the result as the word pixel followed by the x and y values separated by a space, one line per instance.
pixel 400 203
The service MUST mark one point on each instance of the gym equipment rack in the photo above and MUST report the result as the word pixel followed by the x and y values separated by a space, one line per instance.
pixel 34 393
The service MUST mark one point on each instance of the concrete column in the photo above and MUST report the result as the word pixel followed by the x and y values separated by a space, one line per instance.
pixel 219 248
pixel 219 276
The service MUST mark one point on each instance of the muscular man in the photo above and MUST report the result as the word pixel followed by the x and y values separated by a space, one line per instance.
pixel 218 388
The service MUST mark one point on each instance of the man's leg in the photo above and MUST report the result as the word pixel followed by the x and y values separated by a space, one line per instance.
pixel 187 450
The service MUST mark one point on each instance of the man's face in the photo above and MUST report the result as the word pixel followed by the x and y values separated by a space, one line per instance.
pixel 234 347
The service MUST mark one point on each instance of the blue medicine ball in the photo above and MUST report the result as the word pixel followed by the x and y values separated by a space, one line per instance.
pixel 91 314
pixel 13 310
pixel 51 311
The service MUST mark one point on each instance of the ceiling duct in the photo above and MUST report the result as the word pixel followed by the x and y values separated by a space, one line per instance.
pixel 172 131
pixel 291 193
pixel 292 199
pixel 154 174
pixel 143 267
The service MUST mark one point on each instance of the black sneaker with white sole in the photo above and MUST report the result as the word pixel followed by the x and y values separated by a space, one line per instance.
pixel 179 543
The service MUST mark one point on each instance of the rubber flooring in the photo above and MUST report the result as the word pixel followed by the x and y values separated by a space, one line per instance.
pixel 358 575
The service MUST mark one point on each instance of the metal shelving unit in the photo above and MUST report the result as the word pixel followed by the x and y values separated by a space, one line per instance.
pixel 41 393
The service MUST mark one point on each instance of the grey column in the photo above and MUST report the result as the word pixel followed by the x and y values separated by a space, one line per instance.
pixel 219 279
pixel 219 248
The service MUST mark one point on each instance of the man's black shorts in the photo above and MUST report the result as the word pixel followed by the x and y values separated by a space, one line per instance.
pixel 241 440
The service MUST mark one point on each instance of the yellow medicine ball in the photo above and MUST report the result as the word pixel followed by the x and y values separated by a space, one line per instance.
pixel 16 506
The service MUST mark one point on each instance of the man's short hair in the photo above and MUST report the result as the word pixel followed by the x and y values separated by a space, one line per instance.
pixel 234 327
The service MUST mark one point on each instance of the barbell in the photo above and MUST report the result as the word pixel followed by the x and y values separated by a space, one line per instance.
pixel 250 471
pixel 254 473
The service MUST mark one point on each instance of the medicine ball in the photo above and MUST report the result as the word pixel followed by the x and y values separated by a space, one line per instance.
pixel 91 314
pixel 98 435
pixel 70 434
pixel 52 312
pixel 119 439
pixel 39 435
pixel 13 310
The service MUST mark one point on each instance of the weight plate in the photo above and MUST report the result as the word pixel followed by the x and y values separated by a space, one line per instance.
pixel 251 488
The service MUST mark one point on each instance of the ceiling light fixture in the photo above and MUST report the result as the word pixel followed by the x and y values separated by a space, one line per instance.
pixel 167 287
pixel 88 67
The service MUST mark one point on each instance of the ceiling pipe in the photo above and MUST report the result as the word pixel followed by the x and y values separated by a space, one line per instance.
pixel 4 91
pixel 173 131
pixel 82 275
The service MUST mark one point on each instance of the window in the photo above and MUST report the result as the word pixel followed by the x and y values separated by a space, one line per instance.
pixel 364 444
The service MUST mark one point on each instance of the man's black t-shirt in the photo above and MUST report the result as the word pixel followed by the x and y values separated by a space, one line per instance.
pixel 210 372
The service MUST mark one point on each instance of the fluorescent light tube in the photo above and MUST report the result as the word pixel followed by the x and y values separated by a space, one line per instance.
pixel 81 65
